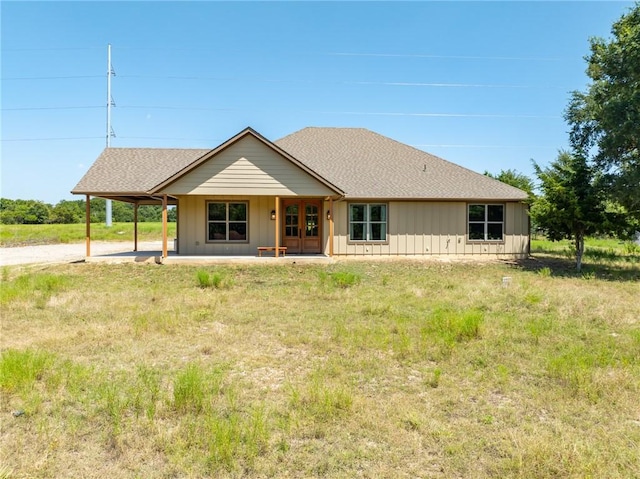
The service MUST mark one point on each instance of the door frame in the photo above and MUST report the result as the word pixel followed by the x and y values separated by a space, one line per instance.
pixel 300 245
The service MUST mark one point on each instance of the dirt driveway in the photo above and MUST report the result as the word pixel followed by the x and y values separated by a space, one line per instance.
pixel 67 253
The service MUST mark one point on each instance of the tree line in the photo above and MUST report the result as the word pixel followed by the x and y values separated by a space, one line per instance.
pixel 35 212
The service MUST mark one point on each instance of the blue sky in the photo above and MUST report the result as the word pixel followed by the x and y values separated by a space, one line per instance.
pixel 482 84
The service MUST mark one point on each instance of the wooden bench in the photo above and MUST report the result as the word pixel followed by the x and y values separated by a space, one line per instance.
pixel 262 249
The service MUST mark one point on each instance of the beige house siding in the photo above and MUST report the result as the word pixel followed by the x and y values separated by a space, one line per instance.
pixel 432 228
pixel 414 228
pixel 192 226
pixel 248 167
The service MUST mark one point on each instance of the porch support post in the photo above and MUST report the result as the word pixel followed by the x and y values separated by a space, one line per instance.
pixel 88 225
pixel 277 245
pixel 330 226
pixel 164 226
pixel 135 226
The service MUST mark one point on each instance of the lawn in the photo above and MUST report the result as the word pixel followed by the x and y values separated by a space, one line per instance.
pixel 358 369
pixel 595 248
pixel 25 235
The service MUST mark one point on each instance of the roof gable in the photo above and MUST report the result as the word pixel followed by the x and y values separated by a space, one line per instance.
pixel 184 179
pixel 245 166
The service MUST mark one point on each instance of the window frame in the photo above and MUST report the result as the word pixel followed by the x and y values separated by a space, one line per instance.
pixel 367 223
pixel 226 222
pixel 486 222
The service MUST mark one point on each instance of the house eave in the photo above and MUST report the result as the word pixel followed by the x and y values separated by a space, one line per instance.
pixel 434 199
pixel 139 197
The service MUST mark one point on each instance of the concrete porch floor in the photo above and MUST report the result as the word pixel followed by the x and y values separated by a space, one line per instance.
pixel 173 258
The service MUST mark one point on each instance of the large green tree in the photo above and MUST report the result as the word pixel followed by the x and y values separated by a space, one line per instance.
pixel 605 119
pixel 573 205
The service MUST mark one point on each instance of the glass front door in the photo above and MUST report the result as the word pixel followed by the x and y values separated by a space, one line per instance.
pixel 302 225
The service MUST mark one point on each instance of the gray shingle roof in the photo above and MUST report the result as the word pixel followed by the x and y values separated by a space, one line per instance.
pixel 134 170
pixel 360 162
pixel 365 164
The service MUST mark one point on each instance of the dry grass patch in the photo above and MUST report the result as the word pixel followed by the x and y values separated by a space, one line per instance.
pixel 390 369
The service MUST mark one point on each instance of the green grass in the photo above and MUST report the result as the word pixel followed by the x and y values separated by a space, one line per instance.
pixel 19 370
pixel 410 370
pixel 215 279
pixel 38 286
pixel 343 279
pixel 25 235
pixel 596 249
pixel 603 258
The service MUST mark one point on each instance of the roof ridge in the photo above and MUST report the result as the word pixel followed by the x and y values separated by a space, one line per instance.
pixel 153 148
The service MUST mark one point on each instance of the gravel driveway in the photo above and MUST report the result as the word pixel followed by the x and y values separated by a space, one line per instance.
pixel 66 253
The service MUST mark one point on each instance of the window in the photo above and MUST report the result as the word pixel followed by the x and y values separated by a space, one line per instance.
pixel 226 221
pixel 367 222
pixel 486 222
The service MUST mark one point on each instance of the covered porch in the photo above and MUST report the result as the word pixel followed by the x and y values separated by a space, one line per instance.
pixel 219 229
pixel 244 196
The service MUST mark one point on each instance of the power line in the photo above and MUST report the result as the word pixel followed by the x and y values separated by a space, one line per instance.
pixel 447 85
pixel 217 140
pixel 53 139
pixel 33 49
pixel 339 82
pixel 32 108
pixel 372 113
pixel 480 146
pixel 69 77
pixel 435 115
pixel 169 138
pixel 160 107
pixel 444 57
pixel 350 54
pixel 364 113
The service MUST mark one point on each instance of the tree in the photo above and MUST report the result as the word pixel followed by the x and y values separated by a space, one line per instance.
pixel 513 178
pixel 24 212
pixel 74 211
pixel 605 120
pixel 68 212
pixel 573 205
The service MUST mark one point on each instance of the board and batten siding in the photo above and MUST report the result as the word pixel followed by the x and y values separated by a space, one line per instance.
pixel 192 226
pixel 432 228
pixel 248 167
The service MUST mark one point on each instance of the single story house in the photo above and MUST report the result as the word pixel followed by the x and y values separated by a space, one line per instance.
pixel 331 191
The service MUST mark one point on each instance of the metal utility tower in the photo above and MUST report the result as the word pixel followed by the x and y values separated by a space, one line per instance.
pixel 110 72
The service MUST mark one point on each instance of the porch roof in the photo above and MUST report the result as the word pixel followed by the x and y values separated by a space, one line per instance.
pixel 129 174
